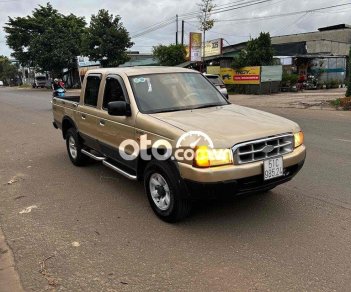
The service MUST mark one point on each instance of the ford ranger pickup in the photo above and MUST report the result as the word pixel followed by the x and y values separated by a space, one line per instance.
pixel 172 129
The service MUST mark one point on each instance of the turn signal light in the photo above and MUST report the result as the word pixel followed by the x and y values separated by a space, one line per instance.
pixel 207 157
pixel 299 139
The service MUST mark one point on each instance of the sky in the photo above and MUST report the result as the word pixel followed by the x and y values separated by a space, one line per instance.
pixel 233 26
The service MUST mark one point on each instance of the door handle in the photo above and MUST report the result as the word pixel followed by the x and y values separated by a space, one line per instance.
pixel 102 123
pixel 84 116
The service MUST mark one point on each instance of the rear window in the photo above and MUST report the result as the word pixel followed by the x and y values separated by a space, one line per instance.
pixel 215 80
pixel 92 90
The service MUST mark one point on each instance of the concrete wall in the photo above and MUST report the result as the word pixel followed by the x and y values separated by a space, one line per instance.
pixel 339 35
pixel 336 42
pixel 328 47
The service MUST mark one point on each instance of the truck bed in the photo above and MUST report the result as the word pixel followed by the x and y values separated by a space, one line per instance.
pixel 72 98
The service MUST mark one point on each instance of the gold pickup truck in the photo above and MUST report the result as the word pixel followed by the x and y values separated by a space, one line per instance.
pixel 172 129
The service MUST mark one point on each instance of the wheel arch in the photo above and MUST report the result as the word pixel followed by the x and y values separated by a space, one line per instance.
pixel 67 123
pixel 141 164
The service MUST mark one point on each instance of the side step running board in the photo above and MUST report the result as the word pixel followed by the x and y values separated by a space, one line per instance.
pixel 109 165
pixel 97 158
pixel 120 171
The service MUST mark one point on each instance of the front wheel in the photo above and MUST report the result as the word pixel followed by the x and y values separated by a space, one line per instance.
pixel 166 192
pixel 74 147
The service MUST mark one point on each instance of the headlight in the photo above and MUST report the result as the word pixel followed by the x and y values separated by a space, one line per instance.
pixel 299 139
pixel 207 157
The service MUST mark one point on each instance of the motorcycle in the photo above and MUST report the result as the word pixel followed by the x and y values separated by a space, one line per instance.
pixel 60 92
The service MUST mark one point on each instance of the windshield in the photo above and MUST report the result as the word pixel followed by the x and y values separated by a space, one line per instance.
pixel 40 78
pixel 215 80
pixel 167 92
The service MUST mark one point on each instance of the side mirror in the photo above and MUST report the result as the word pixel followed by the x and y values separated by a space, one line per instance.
pixel 119 108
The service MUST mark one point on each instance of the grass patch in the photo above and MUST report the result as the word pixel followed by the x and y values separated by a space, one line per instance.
pixel 344 103
pixel 25 86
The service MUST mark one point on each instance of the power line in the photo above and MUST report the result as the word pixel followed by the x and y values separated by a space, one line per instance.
pixel 283 14
pixel 289 25
pixel 220 33
pixel 152 29
pixel 190 15
pixel 226 7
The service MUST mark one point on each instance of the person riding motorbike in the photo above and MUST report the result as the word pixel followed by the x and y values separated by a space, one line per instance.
pixel 58 87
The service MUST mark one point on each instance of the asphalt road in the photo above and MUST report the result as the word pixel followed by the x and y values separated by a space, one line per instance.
pixel 97 232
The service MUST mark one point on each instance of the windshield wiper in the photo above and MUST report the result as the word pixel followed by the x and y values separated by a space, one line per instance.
pixel 167 110
pixel 207 105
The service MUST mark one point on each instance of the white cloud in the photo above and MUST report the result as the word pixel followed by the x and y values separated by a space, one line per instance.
pixel 138 14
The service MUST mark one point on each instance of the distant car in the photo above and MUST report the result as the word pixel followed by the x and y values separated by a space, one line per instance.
pixel 1 83
pixel 217 81
pixel 40 81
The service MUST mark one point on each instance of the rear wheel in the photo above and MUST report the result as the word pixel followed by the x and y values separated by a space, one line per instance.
pixel 166 192
pixel 74 147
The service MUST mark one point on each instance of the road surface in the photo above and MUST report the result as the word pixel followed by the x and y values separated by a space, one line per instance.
pixel 89 229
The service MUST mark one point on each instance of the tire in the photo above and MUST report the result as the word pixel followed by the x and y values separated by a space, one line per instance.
pixel 166 191
pixel 74 147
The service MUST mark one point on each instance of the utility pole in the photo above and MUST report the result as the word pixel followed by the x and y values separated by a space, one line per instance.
pixel 177 29
pixel 183 32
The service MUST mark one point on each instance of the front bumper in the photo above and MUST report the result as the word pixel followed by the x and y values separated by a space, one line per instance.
pixel 239 179
pixel 242 186
pixel 232 172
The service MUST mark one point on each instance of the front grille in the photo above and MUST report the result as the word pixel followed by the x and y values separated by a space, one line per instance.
pixel 262 149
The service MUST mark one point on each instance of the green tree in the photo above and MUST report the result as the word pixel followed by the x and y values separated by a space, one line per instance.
pixel 8 71
pixel 107 40
pixel 206 22
pixel 171 55
pixel 348 92
pixel 46 39
pixel 258 52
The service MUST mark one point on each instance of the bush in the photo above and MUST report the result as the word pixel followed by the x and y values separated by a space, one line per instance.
pixel 289 79
pixel 344 103
pixel 334 84
pixel 348 92
pixel 25 85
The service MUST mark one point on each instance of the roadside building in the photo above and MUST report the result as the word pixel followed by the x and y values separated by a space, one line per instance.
pixel 321 55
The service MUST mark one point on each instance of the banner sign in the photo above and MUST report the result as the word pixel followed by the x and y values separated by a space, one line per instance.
pixel 86 62
pixel 213 48
pixel 195 45
pixel 216 70
pixel 245 75
pixel 271 73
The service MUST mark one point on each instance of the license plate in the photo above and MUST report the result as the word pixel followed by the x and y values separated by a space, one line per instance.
pixel 273 168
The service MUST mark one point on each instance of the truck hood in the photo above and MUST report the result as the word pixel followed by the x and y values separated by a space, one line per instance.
pixel 230 124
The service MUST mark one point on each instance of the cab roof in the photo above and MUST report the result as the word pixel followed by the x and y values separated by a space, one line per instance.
pixel 131 71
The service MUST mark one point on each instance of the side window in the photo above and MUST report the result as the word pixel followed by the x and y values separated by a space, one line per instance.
pixel 92 90
pixel 113 91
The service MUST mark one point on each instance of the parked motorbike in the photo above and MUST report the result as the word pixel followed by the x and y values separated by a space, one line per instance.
pixel 311 82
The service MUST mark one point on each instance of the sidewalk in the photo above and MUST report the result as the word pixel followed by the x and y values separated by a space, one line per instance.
pixel 9 279
pixel 312 99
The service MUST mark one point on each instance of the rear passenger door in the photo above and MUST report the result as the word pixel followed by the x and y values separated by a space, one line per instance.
pixel 88 112
pixel 114 130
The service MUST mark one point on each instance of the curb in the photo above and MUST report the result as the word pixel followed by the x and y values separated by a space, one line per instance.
pixel 9 278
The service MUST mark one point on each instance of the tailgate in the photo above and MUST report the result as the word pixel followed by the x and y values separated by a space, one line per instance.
pixel 61 108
